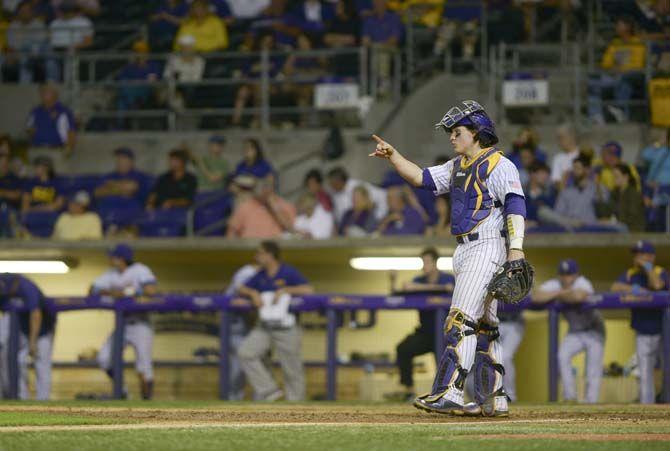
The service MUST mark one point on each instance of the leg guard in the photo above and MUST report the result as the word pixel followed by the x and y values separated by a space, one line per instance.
pixel 455 364
pixel 488 370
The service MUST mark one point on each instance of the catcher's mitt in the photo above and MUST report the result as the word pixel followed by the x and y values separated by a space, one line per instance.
pixel 512 282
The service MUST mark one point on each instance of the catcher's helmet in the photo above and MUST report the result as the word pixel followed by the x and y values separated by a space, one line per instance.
pixel 469 114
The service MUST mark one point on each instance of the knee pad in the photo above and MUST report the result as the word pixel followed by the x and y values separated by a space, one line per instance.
pixel 487 371
pixel 450 373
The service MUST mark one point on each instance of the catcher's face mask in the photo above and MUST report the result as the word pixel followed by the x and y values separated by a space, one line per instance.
pixel 457 114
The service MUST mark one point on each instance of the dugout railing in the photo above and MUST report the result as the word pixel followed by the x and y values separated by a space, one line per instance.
pixel 329 305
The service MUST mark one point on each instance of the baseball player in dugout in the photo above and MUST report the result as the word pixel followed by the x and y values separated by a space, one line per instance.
pixel 487 219
pixel 36 337
pixel 127 278
pixel 644 276
pixel 422 340
pixel 586 331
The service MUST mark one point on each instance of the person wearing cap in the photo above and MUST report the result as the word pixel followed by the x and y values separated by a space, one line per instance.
pixel 611 154
pixel 77 223
pixel 125 182
pixel 128 278
pixel 211 169
pixel 36 335
pixel 42 192
pixel 642 277
pixel 175 188
pixel 207 29
pixel 586 331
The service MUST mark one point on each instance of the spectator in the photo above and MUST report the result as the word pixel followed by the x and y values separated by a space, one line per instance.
pixel 622 64
pixel 576 204
pixel 656 157
pixel 70 31
pixel 264 215
pixel 343 33
pixel 208 30
pixel 275 283
pixel 627 202
pixel 586 329
pixel 52 124
pixel 459 31
pixel 341 191
pixel 135 93
pixel 77 223
pixel 26 46
pixel 165 22
pixel 359 220
pixel 314 184
pixel 254 162
pixel 527 139
pixel 302 73
pixel 10 194
pixel 279 23
pixel 253 71
pixel 527 158
pixel 401 218
pixel 561 164
pixel 539 193
pixel 125 181
pixel 175 188
pixel 611 158
pixel 90 8
pixel 422 340
pixel 314 17
pixel 184 66
pixel 247 9
pixel 43 192
pixel 442 226
pixel 382 29
pixel 313 221
pixel 212 169
pixel 644 277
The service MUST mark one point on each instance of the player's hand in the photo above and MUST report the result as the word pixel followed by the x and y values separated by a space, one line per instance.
pixel 383 149
pixel 515 254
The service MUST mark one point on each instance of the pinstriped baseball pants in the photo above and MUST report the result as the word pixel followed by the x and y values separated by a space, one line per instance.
pixel 475 263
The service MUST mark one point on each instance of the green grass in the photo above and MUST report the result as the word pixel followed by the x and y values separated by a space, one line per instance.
pixel 49 419
pixel 424 438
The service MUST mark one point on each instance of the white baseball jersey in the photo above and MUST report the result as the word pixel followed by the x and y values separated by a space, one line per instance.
pixel 578 319
pixel 131 281
pixel 503 180
pixel 241 277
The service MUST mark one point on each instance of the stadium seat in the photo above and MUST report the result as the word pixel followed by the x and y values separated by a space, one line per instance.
pixel 163 223
pixel 213 211
pixel 119 211
pixel 40 223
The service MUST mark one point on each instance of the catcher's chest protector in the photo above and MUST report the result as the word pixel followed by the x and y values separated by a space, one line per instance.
pixel 471 202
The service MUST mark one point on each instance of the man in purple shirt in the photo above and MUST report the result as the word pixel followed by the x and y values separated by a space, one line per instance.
pixel 51 124
pixel 140 69
pixel 401 219
pixel 125 184
pixel 270 288
pixel 382 29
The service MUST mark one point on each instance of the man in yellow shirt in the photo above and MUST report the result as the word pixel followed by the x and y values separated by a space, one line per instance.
pixel 610 154
pixel 77 223
pixel 209 31
pixel 622 64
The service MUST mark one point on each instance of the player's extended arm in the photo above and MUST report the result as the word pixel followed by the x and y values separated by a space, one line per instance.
pixel 407 170
pixel 620 287
pixel 574 296
pixel 544 296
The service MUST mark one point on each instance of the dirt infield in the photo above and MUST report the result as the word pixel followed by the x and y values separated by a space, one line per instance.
pixel 330 414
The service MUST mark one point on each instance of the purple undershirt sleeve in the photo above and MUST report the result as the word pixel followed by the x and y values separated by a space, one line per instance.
pixel 427 182
pixel 514 205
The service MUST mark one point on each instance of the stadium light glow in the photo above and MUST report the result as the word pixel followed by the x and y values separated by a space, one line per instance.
pixel 397 263
pixel 34 266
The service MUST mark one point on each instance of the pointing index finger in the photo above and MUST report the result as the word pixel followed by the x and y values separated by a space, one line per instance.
pixel 378 139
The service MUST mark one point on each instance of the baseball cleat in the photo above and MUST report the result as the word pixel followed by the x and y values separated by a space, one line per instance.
pixel 493 408
pixel 439 405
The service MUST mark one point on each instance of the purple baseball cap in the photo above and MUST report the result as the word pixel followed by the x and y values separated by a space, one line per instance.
pixel 643 247
pixel 568 266
pixel 122 251
pixel 613 147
